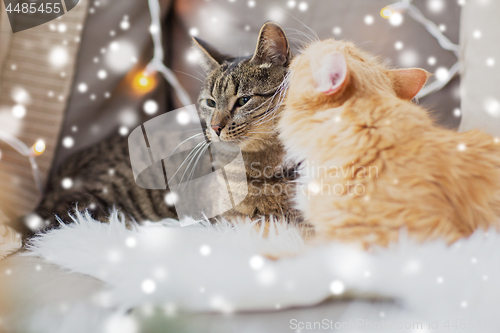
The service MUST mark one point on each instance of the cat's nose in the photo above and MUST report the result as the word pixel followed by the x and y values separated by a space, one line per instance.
pixel 217 129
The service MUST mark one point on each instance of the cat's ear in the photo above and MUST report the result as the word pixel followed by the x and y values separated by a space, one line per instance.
pixel 408 82
pixel 331 74
pixel 209 57
pixel 272 46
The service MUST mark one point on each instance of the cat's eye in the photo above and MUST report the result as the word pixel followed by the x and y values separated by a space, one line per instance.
pixel 211 103
pixel 243 100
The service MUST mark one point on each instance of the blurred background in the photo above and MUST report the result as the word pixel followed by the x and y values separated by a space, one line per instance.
pixel 232 26
pixel 76 80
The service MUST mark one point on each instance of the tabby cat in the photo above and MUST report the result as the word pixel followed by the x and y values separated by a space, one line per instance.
pixel 240 102
pixel 102 179
pixel 375 163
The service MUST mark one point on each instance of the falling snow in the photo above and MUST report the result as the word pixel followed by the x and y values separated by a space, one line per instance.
pixel 148 286
pixel 131 242
pixel 150 107
pixel 67 183
pixel 68 142
pixel 205 250
pixel 492 106
pixel 256 262
pixel 58 57
pixel 171 199
pixel 442 74
pixel 19 111
pixel 396 19
pixel 436 6
pixel 82 87
pixel 369 20
pixel 123 130
pixel 102 74
pixel 183 118
pixel 337 287
pixel 33 221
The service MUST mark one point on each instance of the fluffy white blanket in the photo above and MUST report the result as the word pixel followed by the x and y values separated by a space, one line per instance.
pixel 226 268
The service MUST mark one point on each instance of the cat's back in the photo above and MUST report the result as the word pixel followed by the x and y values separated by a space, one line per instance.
pixel 99 179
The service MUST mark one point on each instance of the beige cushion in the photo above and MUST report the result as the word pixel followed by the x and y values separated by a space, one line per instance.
pixel 5 35
pixel 27 66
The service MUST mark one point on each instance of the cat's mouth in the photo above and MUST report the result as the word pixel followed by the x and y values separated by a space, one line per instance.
pixel 242 142
pixel 212 137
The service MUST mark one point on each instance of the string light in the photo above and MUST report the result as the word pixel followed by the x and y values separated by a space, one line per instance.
pixel 405 6
pixel 38 148
pixel 156 64
pixel 143 82
pixel 386 13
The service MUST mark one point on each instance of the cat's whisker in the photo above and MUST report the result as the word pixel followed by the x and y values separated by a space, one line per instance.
pixel 190 177
pixel 202 74
pixel 303 43
pixel 269 99
pixel 298 41
pixel 363 43
pixel 185 159
pixel 190 138
pixel 315 35
pixel 262 118
pixel 272 115
pixel 187 74
pixel 269 110
pixel 191 161
pixel 267 117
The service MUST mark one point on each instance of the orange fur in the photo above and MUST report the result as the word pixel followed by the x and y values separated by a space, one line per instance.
pixel 432 181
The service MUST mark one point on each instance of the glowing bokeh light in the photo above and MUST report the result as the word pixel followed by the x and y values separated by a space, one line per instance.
pixel 143 83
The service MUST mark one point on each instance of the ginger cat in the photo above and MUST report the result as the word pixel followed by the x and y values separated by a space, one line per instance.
pixel 373 162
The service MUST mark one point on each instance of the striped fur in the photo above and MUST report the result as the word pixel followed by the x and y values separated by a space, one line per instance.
pixel 375 162
pixel 252 126
pixel 102 179
pixel 102 176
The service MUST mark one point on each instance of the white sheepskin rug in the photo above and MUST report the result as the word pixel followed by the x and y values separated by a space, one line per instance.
pixel 225 268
